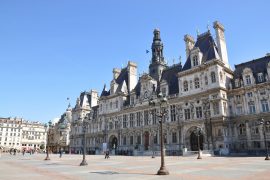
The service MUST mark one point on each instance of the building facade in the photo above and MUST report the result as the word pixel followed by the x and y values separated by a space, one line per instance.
pixel 17 133
pixel 203 92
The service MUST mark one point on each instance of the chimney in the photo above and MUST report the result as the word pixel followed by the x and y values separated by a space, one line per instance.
pixel 189 44
pixel 116 73
pixel 94 98
pixel 132 75
pixel 221 43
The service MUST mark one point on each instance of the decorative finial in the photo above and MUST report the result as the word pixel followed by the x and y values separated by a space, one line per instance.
pixel 173 60
pixel 180 59
pixel 208 26
pixel 197 31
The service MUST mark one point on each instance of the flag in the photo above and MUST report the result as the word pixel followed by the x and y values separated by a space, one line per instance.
pixel 147 51
pixel 68 98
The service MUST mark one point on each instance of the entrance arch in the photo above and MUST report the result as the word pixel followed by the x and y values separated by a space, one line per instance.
pixel 113 142
pixel 146 140
pixel 194 141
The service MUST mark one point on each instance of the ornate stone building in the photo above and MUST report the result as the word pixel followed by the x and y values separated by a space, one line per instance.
pixel 204 92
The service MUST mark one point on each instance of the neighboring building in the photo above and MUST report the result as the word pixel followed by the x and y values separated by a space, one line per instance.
pixel 33 136
pixel 20 134
pixel 205 92
pixel 10 133
pixel 249 99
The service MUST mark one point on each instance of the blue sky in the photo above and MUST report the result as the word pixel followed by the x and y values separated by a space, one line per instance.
pixel 51 50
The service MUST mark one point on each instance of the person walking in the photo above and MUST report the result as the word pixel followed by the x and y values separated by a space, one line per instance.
pixel 60 153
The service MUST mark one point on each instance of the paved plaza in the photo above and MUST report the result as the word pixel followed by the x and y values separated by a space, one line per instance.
pixel 124 167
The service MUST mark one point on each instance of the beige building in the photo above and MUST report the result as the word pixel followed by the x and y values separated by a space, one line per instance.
pixel 20 134
pixel 204 92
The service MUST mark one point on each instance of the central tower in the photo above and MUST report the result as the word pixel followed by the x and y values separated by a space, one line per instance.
pixel 157 63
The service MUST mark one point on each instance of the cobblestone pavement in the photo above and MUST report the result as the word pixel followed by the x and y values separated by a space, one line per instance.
pixel 30 167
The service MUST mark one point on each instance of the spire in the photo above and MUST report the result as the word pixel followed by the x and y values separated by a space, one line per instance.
pixel 157 48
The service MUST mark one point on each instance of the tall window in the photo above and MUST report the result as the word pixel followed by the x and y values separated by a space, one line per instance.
pixel 187 114
pixel 138 114
pixel 251 107
pixel 239 110
pixel 248 80
pixel 131 118
pixel 124 121
pixel 154 117
pixel 146 118
pixel 206 80
pixel 185 86
pixel 174 137
pixel 155 139
pixel 213 77
pixel 131 140
pixel 260 77
pixel 163 90
pixel 116 104
pixel 195 60
pixel 197 83
pixel 138 139
pixel 249 94
pixel 242 129
pixel 265 107
pixel 124 140
pixel 199 112
pixel 173 114
pixel 216 108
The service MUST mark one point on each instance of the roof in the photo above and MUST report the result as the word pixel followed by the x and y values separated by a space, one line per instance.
pixel 170 76
pixel 121 80
pixel 208 48
pixel 257 66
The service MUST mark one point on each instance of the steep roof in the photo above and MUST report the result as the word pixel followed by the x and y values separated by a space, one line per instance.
pixel 257 66
pixel 121 80
pixel 170 76
pixel 208 48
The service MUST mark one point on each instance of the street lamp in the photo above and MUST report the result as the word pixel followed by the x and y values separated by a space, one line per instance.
pixel 47 128
pixel 162 102
pixel 264 123
pixel 85 123
pixel 198 132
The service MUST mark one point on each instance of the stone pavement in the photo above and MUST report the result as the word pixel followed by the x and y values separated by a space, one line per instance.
pixel 30 167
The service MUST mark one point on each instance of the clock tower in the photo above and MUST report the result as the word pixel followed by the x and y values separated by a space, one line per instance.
pixel 157 62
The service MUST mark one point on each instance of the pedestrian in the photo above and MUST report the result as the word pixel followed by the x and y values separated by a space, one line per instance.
pixel 61 153
pixel 10 151
pixel 107 154
pixel 23 152
pixel 14 151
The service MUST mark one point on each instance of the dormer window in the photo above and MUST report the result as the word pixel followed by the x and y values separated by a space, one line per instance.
pixel 260 77
pixel 248 80
pixel 213 77
pixel 197 83
pixel 185 86
pixel 195 60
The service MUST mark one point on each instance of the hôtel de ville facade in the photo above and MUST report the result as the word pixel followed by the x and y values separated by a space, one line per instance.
pixel 202 92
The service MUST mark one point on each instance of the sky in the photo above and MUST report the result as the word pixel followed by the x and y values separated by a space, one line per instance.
pixel 53 50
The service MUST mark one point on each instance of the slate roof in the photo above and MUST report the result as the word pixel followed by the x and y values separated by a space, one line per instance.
pixel 123 76
pixel 170 76
pixel 208 48
pixel 256 65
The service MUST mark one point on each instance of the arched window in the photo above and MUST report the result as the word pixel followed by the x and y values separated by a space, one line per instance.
pixel 185 86
pixel 197 83
pixel 195 60
pixel 213 77
pixel 242 129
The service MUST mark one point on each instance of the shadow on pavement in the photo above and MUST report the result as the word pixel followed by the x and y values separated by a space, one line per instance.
pixel 113 172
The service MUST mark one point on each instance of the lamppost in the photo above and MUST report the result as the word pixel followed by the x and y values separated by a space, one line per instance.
pixel 162 102
pixel 85 123
pixel 198 132
pixel 264 123
pixel 47 128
